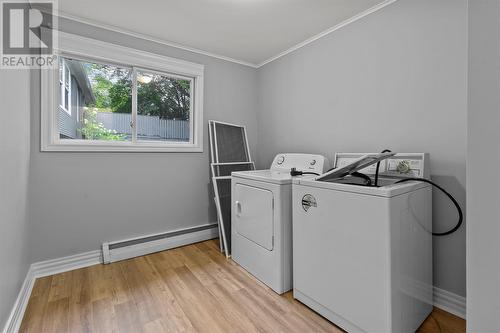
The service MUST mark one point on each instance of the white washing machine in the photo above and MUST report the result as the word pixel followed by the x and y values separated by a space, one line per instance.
pixel 362 256
pixel 261 223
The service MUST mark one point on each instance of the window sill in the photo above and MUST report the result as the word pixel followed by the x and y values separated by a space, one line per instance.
pixel 106 146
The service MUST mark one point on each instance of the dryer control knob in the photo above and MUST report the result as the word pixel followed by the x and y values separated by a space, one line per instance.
pixel 280 160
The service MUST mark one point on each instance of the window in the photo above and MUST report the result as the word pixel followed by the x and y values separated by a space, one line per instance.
pixel 112 98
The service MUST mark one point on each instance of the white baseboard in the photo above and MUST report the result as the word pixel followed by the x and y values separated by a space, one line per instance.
pixel 450 302
pixel 66 264
pixel 81 260
pixel 41 269
pixel 16 315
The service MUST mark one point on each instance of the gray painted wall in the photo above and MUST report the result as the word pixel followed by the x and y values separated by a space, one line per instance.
pixel 395 79
pixel 483 185
pixel 14 164
pixel 79 200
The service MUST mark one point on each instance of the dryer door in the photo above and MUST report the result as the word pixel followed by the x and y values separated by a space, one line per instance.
pixel 254 220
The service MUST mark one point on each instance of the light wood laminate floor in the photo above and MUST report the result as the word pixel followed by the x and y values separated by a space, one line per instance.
pixel 188 289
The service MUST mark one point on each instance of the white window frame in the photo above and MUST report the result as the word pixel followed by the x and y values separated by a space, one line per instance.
pixel 90 49
pixel 63 81
pixel 77 104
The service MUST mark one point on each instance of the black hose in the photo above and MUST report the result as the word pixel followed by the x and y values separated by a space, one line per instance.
pixel 368 180
pixel 459 210
pixel 378 167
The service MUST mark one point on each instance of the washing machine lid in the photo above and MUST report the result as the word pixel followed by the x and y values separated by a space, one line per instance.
pixel 388 189
pixel 359 164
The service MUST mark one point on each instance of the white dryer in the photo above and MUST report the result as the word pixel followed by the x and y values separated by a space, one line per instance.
pixel 261 224
pixel 362 255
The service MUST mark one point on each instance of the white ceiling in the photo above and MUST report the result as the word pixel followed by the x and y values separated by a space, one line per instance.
pixel 250 31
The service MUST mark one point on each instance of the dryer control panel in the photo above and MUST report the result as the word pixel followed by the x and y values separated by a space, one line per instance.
pixel 302 162
pixel 399 165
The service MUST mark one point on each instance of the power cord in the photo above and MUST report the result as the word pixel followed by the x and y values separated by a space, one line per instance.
pixel 294 172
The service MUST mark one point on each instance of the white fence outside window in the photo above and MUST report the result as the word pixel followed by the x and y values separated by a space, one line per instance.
pixel 148 127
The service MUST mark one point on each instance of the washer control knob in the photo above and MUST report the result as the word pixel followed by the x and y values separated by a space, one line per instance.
pixel 313 162
pixel 280 160
pixel 404 167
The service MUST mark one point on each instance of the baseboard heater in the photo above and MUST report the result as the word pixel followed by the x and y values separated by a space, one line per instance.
pixel 139 246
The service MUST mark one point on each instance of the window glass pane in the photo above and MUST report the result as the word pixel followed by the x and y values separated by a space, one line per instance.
pixel 67 77
pixel 61 94
pixel 163 107
pixel 61 70
pixel 104 94
pixel 66 99
pixel 61 83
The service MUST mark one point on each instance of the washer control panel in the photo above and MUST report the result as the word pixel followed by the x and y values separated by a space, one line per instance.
pixel 400 165
pixel 301 162
pixel 407 166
